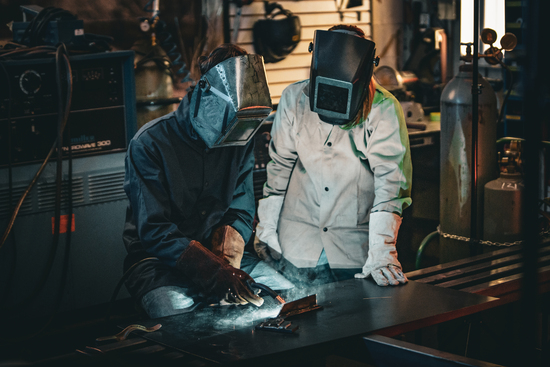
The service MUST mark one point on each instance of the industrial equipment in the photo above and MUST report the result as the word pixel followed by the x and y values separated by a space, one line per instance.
pixel 102 119
pixel 503 199
pixel 456 146
pixel 49 26
pixel 469 118
pixel 158 61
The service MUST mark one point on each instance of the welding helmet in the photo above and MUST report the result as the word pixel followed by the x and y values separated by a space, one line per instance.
pixel 231 101
pixel 341 70
pixel 275 39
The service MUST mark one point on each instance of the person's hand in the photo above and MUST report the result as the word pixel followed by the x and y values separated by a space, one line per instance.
pixel 382 263
pixel 267 242
pixel 228 244
pixel 215 276
pixel 267 252
pixel 385 275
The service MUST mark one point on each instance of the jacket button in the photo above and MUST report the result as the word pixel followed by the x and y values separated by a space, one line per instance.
pixel 206 184
pixel 203 213
pixel 325 229
pixel 326 188
pixel 329 144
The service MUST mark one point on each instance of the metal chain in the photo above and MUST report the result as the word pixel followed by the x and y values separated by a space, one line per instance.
pixel 484 242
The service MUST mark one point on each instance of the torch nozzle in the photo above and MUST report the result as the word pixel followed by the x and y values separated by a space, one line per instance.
pixel 271 292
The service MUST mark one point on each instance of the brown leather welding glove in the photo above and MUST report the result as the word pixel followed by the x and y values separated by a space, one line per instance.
pixel 215 276
pixel 228 244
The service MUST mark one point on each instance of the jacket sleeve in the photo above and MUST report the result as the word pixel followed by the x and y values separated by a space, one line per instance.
pixel 282 149
pixel 389 156
pixel 147 189
pixel 240 214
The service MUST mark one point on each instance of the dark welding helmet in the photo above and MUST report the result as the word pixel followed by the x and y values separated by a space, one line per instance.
pixel 341 70
pixel 275 39
pixel 231 101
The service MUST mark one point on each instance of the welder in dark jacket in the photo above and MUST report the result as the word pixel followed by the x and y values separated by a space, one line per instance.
pixel 189 181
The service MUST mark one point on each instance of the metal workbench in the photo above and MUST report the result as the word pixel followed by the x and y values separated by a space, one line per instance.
pixel 351 309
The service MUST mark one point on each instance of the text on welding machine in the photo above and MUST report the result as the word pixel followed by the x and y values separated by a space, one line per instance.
pixel 29 106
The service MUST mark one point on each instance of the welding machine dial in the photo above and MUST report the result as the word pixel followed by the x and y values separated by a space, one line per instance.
pixel 30 82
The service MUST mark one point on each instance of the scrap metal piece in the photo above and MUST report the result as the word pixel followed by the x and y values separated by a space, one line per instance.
pixel 277 324
pixel 299 306
pixel 124 333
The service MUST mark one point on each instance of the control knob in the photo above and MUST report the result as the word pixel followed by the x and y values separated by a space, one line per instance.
pixel 30 82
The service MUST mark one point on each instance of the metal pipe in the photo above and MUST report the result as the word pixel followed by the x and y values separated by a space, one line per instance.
pixel 475 118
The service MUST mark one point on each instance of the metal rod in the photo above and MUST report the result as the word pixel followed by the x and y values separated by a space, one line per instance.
pixel 475 118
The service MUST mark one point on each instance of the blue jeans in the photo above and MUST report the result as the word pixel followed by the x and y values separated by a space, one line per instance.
pixel 320 274
pixel 173 300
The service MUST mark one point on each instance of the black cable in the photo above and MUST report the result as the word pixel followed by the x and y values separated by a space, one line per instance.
pixel 121 281
pixel 27 50
pixel 38 173
pixel 11 274
pixel 34 33
pixel 63 118
pixel 62 122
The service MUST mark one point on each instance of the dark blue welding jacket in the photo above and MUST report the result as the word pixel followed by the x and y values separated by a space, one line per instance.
pixel 179 191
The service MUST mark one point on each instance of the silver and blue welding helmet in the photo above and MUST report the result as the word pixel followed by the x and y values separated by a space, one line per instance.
pixel 341 70
pixel 231 101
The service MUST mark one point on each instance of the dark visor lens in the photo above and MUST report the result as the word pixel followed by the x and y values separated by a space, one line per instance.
pixel 241 131
pixel 332 98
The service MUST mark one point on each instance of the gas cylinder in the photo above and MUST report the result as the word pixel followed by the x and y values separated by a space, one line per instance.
pixel 502 208
pixel 456 148
pixel 503 199
pixel 153 81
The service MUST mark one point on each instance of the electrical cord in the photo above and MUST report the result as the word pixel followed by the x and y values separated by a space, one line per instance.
pixel 62 122
pixel 11 274
pixel 121 281
pixel 35 32
pixel 26 50
pixel 48 156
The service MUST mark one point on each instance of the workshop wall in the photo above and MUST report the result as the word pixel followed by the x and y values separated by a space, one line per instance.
pixel 314 14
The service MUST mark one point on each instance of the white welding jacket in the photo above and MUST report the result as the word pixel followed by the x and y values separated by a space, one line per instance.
pixel 333 178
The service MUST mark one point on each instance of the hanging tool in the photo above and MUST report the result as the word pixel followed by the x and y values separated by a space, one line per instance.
pixel 237 21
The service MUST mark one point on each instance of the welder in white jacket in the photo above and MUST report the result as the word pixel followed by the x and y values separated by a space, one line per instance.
pixel 340 170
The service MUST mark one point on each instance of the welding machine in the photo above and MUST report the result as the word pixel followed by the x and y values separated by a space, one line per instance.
pixel 102 120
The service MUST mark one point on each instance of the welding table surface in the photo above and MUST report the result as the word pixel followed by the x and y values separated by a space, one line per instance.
pixel 351 308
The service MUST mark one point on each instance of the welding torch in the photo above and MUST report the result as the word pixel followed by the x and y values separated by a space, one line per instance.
pixel 254 286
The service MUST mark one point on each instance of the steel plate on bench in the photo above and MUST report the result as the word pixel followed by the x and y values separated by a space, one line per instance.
pixel 350 308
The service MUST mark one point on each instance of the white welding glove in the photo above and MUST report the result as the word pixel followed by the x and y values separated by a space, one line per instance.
pixel 382 263
pixel 266 243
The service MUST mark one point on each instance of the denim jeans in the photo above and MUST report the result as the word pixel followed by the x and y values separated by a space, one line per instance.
pixel 173 300
pixel 320 274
